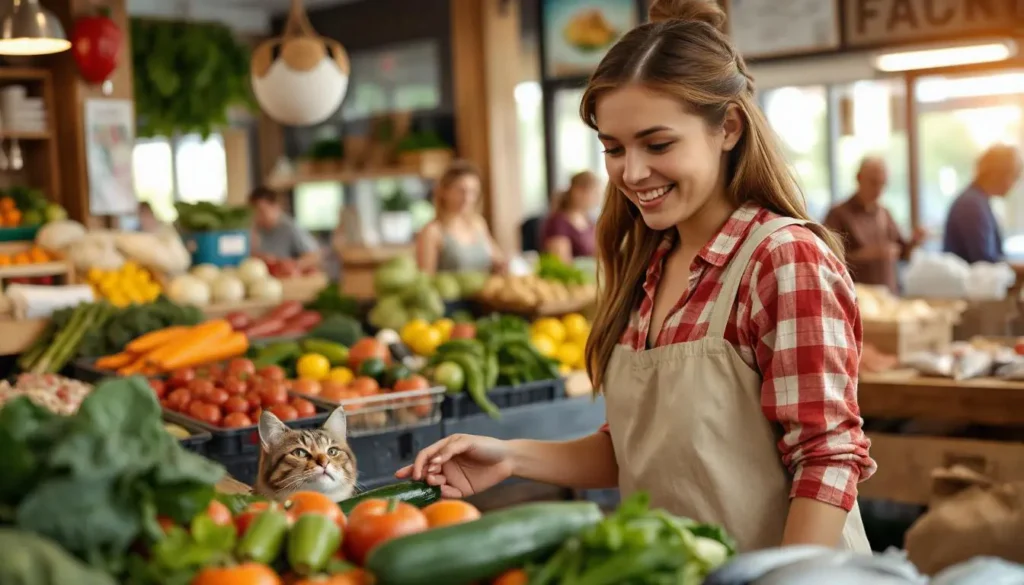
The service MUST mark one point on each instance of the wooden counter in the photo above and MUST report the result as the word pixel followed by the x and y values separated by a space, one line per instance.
pixel 358 264
pixel 904 394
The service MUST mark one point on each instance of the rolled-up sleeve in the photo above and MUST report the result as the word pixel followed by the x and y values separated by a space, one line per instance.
pixel 806 324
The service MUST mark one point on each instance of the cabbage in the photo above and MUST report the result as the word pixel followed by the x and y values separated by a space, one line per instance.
pixel 228 289
pixel 253 270
pixel 189 290
pixel 268 289
pixel 207 273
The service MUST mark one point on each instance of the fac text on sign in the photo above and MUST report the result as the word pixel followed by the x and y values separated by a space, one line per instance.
pixel 881 22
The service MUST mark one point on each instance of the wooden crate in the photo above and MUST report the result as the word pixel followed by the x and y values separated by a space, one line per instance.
pixel 907 337
pixel 62 270
pixel 19 334
pixel 303 288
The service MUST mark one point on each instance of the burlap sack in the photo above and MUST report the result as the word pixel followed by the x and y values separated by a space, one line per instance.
pixel 969 516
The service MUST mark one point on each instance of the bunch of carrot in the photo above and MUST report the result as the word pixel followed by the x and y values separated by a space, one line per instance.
pixel 165 350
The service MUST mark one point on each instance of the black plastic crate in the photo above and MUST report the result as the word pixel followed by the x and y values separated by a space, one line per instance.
pixel 461 405
pixel 242 468
pixel 553 421
pixel 85 369
pixel 243 441
pixel 200 437
pixel 379 456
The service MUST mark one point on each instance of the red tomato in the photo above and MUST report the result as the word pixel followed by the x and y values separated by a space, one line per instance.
pixel 246 573
pixel 207 413
pixel 243 520
pixel 284 412
pixel 254 399
pixel 236 404
pixel 307 387
pixel 255 415
pixel 217 396
pixel 412 383
pixel 179 399
pixel 375 521
pixel 303 407
pixel 159 388
pixel 447 512
pixel 463 331
pixel 367 348
pixel 236 420
pixel 181 378
pixel 273 373
pixel 364 386
pixel 219 513
pixel 201 388
pixel 234 386
pixel 165 523
pixel 314 503
pixel 272 395
pixel 241 367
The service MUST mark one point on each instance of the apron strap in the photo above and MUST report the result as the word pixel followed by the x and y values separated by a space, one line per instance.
pixel 726 299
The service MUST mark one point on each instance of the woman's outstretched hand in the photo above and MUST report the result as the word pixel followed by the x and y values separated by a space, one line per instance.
pixel 461 465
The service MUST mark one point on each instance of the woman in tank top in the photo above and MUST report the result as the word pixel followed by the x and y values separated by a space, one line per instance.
pixel 458 238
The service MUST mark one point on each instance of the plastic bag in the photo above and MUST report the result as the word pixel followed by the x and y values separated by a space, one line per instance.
pixel 810 565
pixel 982 571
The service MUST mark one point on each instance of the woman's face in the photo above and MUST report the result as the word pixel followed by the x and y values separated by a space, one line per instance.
pixel 462 194
pixel 665 160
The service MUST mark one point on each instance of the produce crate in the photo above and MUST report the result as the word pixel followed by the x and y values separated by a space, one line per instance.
pixel 243 441
pixel 242 467
pixel 195 443
pixel 19 234
pixel 461 405
pixel 379 455
pixel 391 411
pixel 551 421
pixel 906 337
pixel 220 248
pixel 85 369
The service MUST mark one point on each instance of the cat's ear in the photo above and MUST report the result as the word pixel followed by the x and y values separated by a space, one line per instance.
pixel 271 429
pixel 336 424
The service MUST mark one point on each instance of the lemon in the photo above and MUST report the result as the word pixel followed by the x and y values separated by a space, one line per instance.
pixel 551 328
pixel 544 344
pixel 343 375
pixel 426 342
pixel 313 366
pixel 564 369
pixel 412 330
pixel 569 354
pixel 94 274
pixel 576 326
pixel 445 326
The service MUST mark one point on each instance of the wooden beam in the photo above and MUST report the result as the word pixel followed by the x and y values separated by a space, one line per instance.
pixel 485 49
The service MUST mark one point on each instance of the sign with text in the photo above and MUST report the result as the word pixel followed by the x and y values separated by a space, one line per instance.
pixel 775 28
pixel 881 22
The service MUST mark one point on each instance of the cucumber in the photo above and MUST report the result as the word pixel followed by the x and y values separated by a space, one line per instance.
pixel 479 550
pixel 416 493
pixel 470 346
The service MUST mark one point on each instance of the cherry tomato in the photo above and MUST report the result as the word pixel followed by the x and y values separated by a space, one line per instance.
pixel 303 407
pixel 375 521
pixel 255 415
pixel 181 378
pixel 208 413
pixel 284 412
pixel 447 512
pixel 159 388
pixel 307 387
pixel 244 574
pixel 219 513
pixel 234 386
pixel 235 404
pixel 364 386
pixel 272 373
pixel 272 395
pixel 243 520
pixel 301 503
pixel 241 367
pixel 217 396
pixel 254 399
pixel 201 388
pixel 236 420
pixel 179 399
pixel 412 383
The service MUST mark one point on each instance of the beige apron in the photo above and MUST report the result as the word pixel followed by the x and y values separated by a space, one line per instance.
pixel 687 427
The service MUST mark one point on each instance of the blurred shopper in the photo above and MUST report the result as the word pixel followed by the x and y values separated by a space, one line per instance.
pixel 458 238
pixel 872 239
pixel 148 221
pixel 569 232
pixel 972 231
pixel 277 236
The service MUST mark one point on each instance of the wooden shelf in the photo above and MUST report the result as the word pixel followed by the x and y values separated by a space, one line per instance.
pixel 33 270
pixel 21 135
pixel 23 74
pixel 345 176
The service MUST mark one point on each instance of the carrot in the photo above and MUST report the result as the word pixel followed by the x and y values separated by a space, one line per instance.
pixel 115 361
pixel 133 368
pixel 155 339
pixel 199 334
pixel 218 349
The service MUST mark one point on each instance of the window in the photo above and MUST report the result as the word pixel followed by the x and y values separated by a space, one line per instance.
pixel 872 124
pixel 318 205
pixel 799 116
pixel 959 116
pixel 197 171
pixel 532 163
pixel 576 145
pixel 398 78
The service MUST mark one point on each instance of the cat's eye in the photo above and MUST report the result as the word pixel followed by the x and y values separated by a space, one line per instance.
pixel 334 451
pixel 301 453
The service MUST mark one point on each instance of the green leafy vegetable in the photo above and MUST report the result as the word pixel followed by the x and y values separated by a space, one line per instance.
pixel 30 559
pixel 207 217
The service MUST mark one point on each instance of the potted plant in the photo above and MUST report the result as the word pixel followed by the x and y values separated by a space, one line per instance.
pixel 396 225
pixel 324 156
pixel 425 153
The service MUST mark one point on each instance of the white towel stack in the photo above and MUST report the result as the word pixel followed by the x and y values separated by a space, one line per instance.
pixel 21 113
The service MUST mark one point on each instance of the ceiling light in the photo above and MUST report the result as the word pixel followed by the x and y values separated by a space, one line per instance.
pixel 988 52
pixel 30 29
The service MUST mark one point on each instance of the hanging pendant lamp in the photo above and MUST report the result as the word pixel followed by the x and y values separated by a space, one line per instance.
pixel 30 29
pixel 307 81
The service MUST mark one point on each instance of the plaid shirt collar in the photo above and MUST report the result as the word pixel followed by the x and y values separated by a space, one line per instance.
pixel 717 252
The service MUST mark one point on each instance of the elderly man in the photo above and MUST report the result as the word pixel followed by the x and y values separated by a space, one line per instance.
pixel 873 241
pixel 972 231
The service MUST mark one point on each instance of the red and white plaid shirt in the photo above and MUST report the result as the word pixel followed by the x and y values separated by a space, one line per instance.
pixel 796 322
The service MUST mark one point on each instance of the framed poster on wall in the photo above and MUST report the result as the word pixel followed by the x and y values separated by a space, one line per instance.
pixel 763 29
pixel 577 33
pixel 109 140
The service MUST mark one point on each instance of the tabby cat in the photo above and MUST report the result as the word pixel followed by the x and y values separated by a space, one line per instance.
pixel 305 460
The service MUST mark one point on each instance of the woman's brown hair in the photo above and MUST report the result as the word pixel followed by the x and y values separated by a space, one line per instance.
pixel 683 52
pixel 581 180
pixel 455 171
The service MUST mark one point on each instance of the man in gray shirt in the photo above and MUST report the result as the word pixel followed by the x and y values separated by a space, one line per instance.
pixel 276 235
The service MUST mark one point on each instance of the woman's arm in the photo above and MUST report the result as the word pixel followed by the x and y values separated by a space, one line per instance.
pixel 586 463
pixel 498 258
pixel 428 246
pixel 805 328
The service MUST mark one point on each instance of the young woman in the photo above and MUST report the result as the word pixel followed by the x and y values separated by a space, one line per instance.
pixel 727 335
pixel 458 238
pixel 569 233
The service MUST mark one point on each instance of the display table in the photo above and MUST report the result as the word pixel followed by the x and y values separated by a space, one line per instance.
pixel 905 394
pixel 358 265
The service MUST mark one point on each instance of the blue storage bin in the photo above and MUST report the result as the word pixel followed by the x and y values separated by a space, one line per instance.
pixel 221 248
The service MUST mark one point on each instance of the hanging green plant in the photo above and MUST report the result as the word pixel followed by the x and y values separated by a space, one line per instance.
pixel 187 76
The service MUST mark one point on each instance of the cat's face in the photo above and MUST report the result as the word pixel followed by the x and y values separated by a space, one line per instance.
pixel 305 460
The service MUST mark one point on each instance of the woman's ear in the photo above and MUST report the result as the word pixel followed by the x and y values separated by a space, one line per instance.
pixel 733 127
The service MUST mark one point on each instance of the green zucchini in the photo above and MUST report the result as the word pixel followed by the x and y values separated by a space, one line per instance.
pixel 482 549
pixel 416 493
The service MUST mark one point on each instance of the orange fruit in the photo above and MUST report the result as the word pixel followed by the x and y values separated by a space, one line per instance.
pixel 7 204
pixel 448 512
pixel 38 255
pixel 12 218
pixel 5 260
pixel 22 258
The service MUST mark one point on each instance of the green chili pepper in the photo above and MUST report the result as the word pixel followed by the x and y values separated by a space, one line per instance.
pixel 313 540
pixel 262 541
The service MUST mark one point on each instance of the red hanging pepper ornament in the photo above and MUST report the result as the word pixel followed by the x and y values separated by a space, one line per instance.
pixel 96 44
